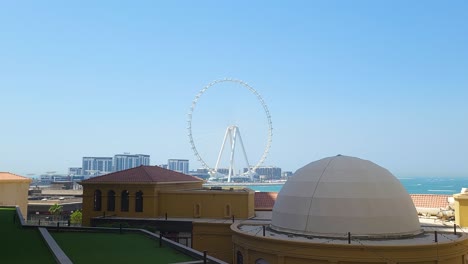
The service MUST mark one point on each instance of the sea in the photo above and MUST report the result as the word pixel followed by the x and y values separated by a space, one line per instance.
pixel 413 185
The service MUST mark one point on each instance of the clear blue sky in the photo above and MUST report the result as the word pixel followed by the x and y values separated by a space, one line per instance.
pixel 380 80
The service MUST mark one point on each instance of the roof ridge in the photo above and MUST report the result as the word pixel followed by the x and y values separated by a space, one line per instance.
pixel 147 174
pixel 143 173
pixel 114 172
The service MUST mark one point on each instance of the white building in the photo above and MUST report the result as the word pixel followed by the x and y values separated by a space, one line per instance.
pixel 180 165
pixel 128 161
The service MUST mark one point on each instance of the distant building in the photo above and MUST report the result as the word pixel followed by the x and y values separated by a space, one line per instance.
pixel 75 171
pixel 50 178
pixel 164 166
pixel 224 171
pixel 268 173
pixel 202 170
pixel 286 174
pixel 201 175
pixel 180 165
pixel 128 161
pixel 45 179
pixel 96 165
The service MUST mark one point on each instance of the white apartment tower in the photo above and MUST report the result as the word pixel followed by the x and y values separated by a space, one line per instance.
pixel 180 165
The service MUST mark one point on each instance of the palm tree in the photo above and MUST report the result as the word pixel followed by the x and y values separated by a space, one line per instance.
pixel 55 210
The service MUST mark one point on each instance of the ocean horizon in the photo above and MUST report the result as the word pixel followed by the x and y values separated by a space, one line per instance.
pixel 413 185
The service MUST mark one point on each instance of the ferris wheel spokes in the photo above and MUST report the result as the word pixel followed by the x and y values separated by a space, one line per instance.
pixel 233 133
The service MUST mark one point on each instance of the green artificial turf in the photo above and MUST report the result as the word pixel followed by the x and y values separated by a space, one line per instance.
pixel 21 245
pixel 82 247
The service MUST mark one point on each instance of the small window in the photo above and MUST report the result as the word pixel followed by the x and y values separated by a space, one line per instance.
pixel 124 201
pixel 111 201
pixel 227 210
pixel 197 210
pixel 97 200
pixel 139 201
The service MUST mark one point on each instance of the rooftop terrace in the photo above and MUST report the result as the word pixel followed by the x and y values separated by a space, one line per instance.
pixel 15 241
pixel 88 245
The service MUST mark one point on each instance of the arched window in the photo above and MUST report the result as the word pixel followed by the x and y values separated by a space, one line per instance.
pixel 124 201
pixel 139 201
pixel 240 258
pixel 97 200
pixel 111 201
pixel 261 261
pixel 197 210
pixel 227 211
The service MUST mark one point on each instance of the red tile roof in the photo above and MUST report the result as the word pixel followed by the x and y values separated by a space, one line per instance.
pixel 266 200
pixel 430 200
pixel 143 174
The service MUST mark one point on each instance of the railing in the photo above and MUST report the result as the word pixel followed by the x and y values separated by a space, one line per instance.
pixel 46 222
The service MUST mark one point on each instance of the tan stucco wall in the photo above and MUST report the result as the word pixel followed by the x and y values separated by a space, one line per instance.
pixel 215 238
pixel 178 186
pixel 461 209
pixel 150 198
pixel 212 204
pixel 278 251
pixel 15 194
pixel 149 201
pixel 176 199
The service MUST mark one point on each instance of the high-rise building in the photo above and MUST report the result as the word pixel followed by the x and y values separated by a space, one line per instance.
pixel 128 161
pixel 180 165
pixel 93 166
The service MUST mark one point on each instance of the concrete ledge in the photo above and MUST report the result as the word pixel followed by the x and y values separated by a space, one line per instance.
pixel 59 255
pixel 20 216
pixel 190 262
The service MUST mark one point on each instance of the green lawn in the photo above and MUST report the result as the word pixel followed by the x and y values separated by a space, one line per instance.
pixel 21 245
pixel 82 247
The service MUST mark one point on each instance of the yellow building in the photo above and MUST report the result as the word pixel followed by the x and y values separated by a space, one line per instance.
pixel 171 201
pixel 461 208
pixel 345 210
pixel 336 210
pixel 14 191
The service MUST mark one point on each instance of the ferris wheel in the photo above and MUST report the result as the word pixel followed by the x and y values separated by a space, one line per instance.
pixel 232 132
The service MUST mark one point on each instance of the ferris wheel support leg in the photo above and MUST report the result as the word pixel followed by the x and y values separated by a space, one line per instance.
pixel 233 150
pixel 243 150
pixel 221 150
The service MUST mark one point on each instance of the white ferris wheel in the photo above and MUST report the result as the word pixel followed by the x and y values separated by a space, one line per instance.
pixel 232 136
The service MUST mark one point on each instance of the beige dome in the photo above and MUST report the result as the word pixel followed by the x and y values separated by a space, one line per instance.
pixel 341 194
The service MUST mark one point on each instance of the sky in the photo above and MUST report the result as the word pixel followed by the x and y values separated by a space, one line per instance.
pixel 385 81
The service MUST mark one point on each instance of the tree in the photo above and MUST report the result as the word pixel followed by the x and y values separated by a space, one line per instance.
pixel 56 209
pixel 76 217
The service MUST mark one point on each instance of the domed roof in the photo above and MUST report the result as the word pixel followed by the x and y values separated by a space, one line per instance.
pixel 341 194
